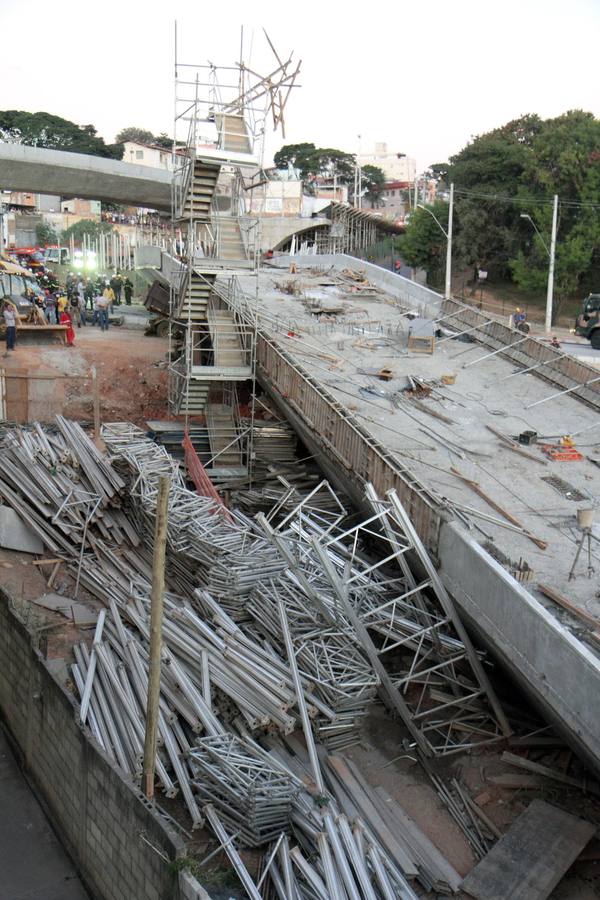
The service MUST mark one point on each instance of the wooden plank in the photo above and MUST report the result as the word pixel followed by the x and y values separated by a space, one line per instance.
pixel 530 859
pixel 516 782
pixel 515 447
pixel 553 774
pixel 503 512
pixel 570 607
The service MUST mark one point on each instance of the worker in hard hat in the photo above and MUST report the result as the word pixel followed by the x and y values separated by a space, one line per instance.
pixel 520 320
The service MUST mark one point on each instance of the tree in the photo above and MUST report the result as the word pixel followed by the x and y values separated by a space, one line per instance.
pixel 89 227
pixel 439 173
pixel 565 160
pixel 424 244
pixel 373 180
pixel 298 155
pixel 487 233
pixel 317 163
pixel 42 129
pixel 163 140
pixel 45 234
pixel 132 133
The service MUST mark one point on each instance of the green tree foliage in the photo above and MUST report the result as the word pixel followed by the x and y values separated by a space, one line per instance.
pixel 132 133
pixel 424 243
pixel 163 140
pixel 565 160
pixel 45 234
pixel 517 169
pixel 488 233
pixel 373 180
pixel 41 129
pixel 316 162
pixel 90 227
pixel 144 136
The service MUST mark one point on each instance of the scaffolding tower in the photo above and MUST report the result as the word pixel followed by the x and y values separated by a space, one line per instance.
pixel 221 115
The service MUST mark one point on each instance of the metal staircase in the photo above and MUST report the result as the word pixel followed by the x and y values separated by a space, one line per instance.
pixel 230 242
pixel 226 339
pixel 233 133
pixel 200 191
pixel 218 121
pixel 196 293
pixel 223 436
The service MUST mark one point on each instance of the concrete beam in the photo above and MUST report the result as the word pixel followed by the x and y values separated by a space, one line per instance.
pixel 79 175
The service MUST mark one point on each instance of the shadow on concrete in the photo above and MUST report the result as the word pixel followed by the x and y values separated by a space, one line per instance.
pixel 33 864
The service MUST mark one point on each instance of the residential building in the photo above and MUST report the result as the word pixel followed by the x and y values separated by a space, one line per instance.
pixel 394 197
pixel 146 155
pixel 396 166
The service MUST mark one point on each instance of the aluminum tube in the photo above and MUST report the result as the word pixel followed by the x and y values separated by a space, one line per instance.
pixel 87 691
pixel 306 726
pixel 340 858
pixel 333 886
pixel 356 858
pixel 234 857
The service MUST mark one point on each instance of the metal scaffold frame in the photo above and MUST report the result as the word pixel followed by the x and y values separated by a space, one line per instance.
pixel 237 109
pixel 357 580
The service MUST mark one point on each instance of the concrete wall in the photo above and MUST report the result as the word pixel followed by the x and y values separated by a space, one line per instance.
pixel 30 398
pixel 116 841
pixel 559 672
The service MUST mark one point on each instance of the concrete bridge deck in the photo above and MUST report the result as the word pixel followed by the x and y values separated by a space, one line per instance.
pixel 317 371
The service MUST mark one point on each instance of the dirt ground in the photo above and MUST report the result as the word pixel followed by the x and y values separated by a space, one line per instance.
pixel 131 370
pixel 383 761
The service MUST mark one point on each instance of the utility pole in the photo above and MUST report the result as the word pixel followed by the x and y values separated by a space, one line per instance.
pixel 156 617
pixel 448 291
pixel 550 292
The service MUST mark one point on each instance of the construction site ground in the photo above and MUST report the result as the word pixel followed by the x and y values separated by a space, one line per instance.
pixel 131 370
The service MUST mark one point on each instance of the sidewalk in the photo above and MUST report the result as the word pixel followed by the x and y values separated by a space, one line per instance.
pixel 33 864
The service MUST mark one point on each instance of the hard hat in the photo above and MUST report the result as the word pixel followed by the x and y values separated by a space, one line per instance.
pixel 518 309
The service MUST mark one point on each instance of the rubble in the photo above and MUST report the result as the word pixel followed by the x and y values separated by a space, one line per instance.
pixel 298 616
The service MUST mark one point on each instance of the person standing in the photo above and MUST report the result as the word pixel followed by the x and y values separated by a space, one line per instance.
pixel 116 283
pixel 11 316
pixel 61 302
pixel 65 319
pixel 51 308
pixel 128 288
pixel 88 293
pixel 102 304
pixel 109 296
pixel 75 310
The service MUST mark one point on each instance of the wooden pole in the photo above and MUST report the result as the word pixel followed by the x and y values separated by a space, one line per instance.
pixel 156 617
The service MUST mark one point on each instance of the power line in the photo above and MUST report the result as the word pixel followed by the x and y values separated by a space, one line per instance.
pixel 526 201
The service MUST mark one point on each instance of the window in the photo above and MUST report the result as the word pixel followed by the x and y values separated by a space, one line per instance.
pixel 139 154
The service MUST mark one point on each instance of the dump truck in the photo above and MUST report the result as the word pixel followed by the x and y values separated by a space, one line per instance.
pixel 157 303
pixel 587 323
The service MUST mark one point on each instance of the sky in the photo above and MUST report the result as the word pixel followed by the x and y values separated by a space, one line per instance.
pixel 423 77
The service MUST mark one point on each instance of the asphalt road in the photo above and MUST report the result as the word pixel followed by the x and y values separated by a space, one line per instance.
pixel 33 864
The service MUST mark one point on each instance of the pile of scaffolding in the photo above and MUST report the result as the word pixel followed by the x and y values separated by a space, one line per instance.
pixel 292 619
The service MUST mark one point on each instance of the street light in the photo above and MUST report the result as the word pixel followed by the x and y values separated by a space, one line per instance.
pixel 448 236
pixel 551 255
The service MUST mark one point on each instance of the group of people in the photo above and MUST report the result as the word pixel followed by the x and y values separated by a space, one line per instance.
pixel 120 285
pixel 72 306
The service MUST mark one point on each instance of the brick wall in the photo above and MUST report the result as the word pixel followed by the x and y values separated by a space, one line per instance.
pixel 115 839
